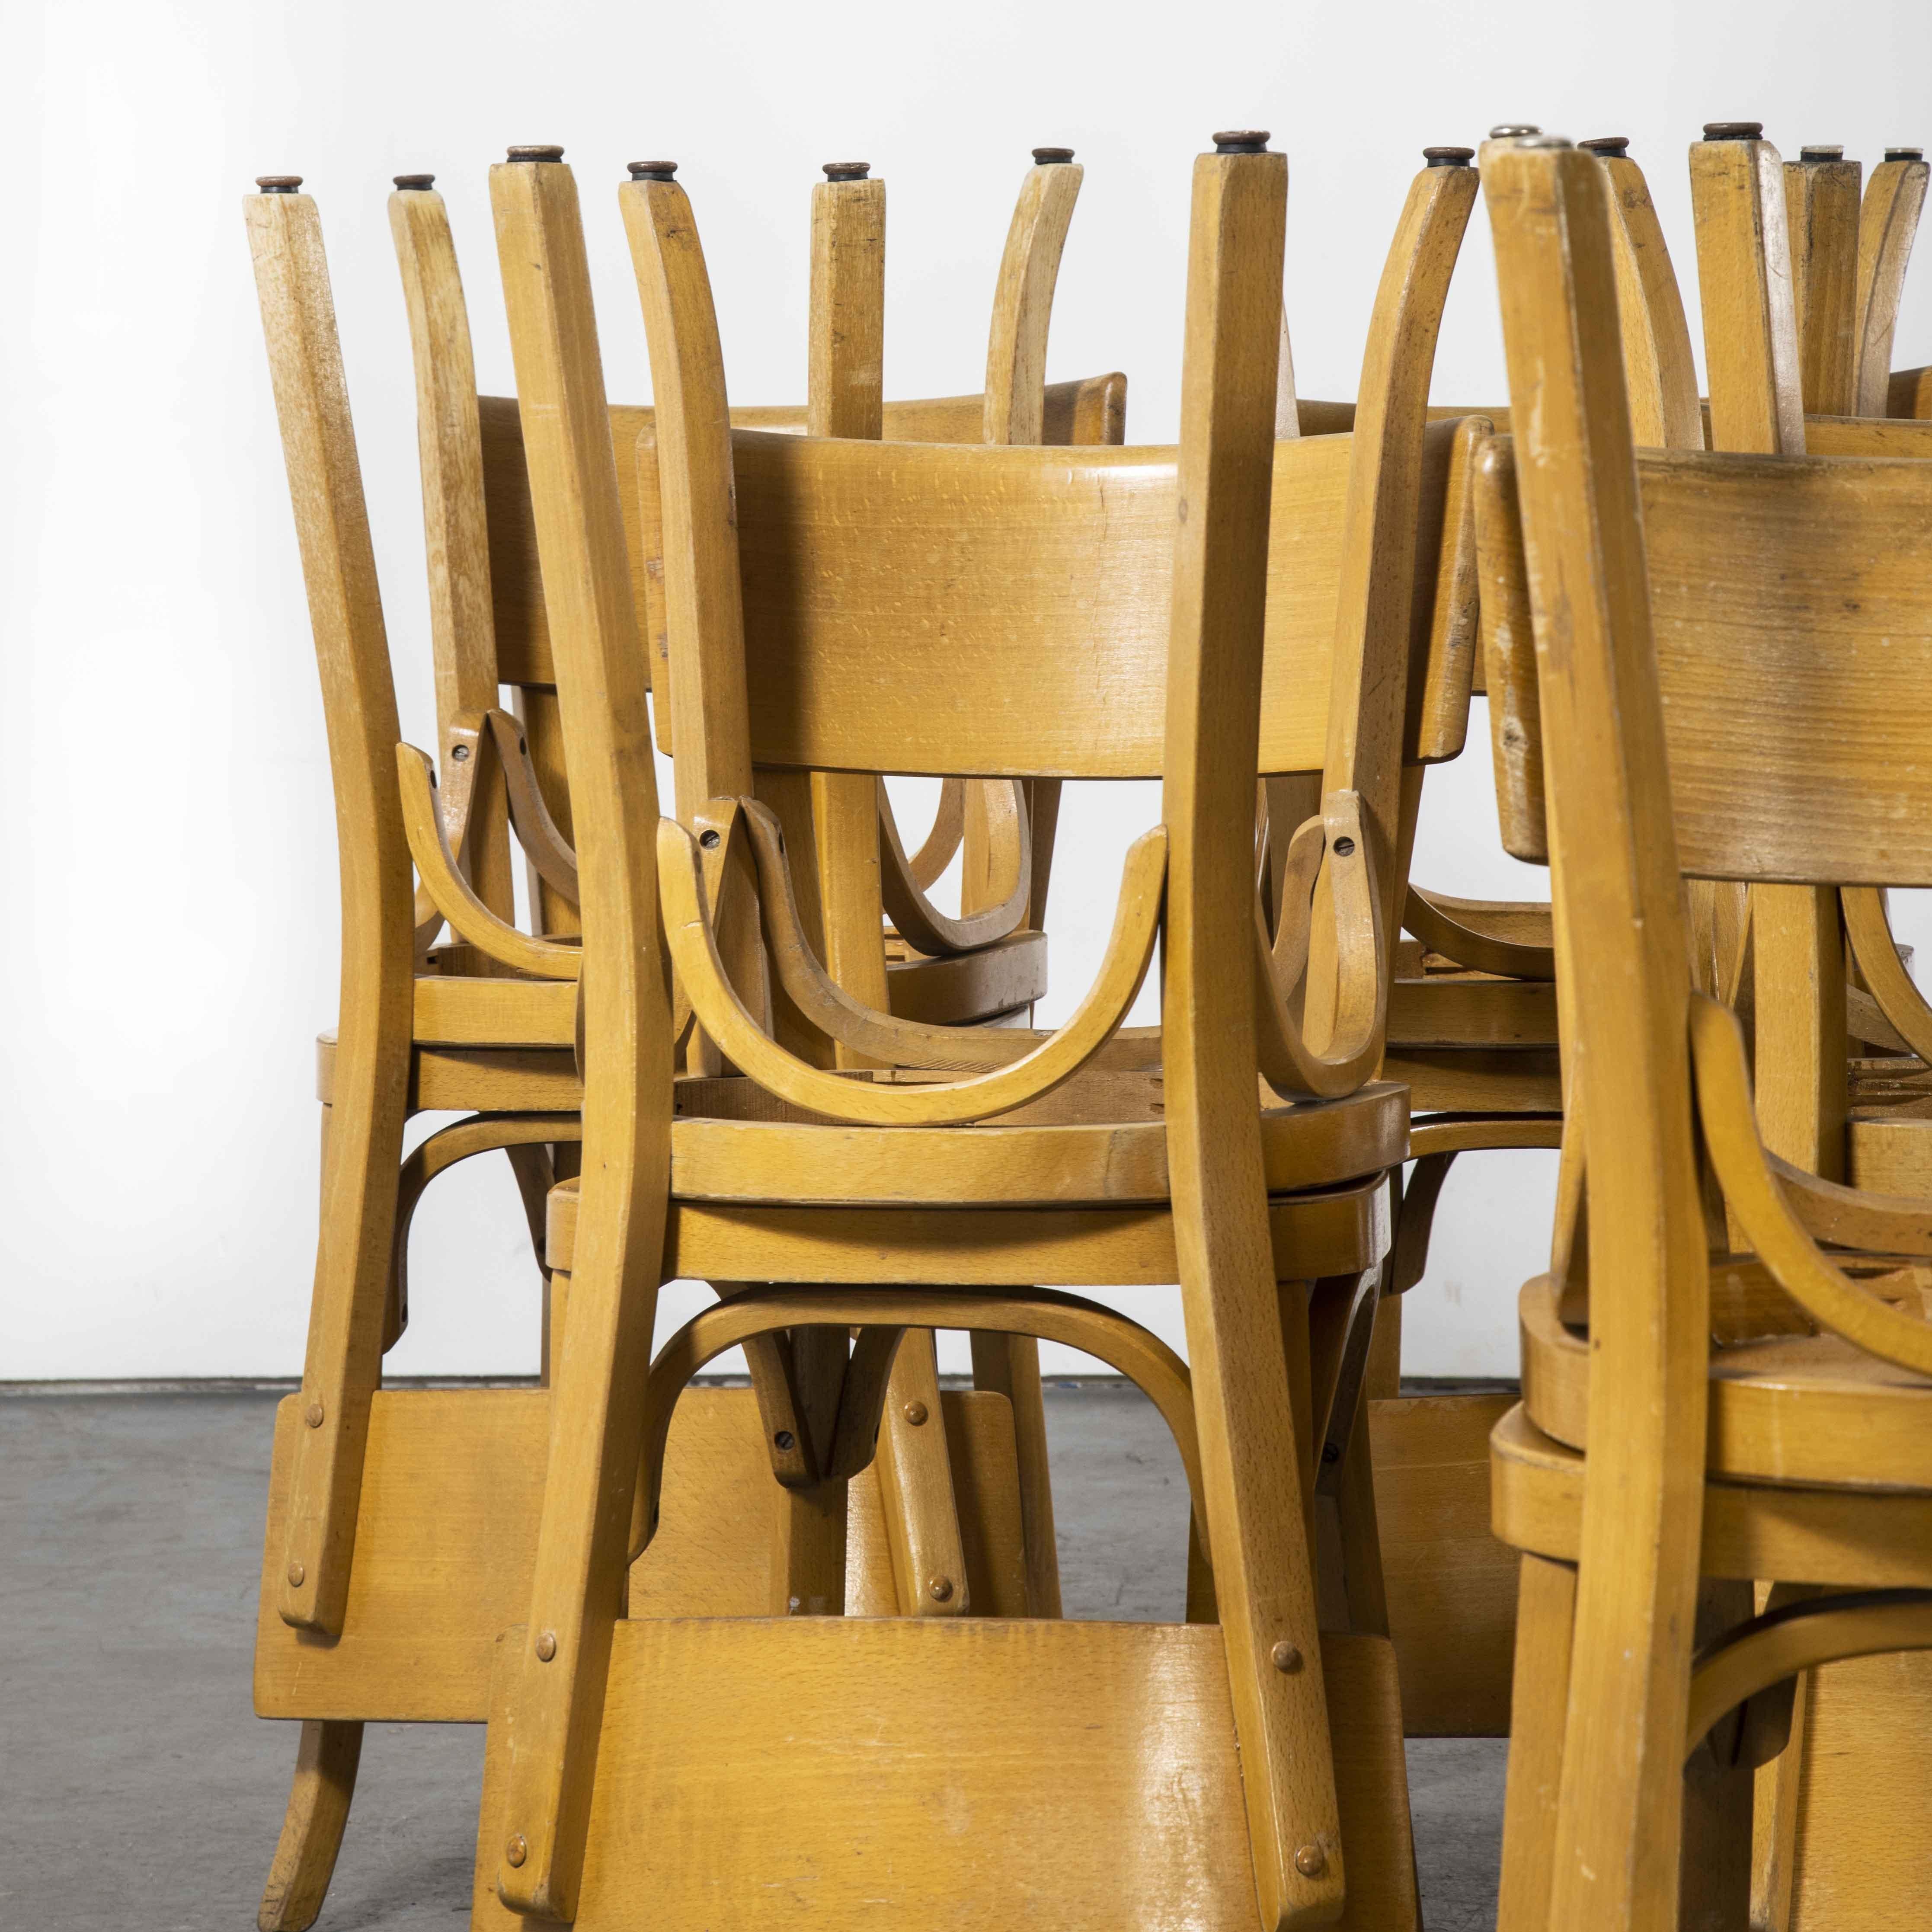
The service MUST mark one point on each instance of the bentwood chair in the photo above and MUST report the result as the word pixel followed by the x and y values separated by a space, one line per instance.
pixel 986 966
pixel 1779 341
pixel 458 1026
pixel 1733 653
pixel 1801 983
pixel 1013 594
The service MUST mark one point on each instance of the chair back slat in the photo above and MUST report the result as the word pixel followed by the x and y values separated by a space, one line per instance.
pixel 1028 638
pixel 1796 667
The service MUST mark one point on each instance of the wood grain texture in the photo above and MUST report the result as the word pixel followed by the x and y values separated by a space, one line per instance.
pixel 1855 1538
pixel 1451 1584
pixel 1619 1807
pixel 371 1069
pixel 1821 202
pixel 578 1577
pixel 1888 224
pixel 1864 1808
pixel 1023 304
pixel 448 1525
pixel 456 530
pixel 1263 1571
pixel 318 1810
pixel 968 565
pixel 1048 1816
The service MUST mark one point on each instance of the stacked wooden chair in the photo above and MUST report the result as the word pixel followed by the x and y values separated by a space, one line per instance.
pixel 487 1023
pixel 1770 1396
pixel 986 966
pixel 806 1173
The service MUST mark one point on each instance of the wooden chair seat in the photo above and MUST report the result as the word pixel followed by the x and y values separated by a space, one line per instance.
pixel 942 1199
pixel 1861 1539
pixel 1101 1138
pixel 1888 1144
pixel 801 1806
pixel 1795 1406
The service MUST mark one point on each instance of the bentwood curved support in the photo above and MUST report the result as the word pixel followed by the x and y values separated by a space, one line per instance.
pixel 481 1133
pixel 326 1762
pixel 1446 926
pixel 1764 1211
pixel 948 827
pixel 1142 1357
pixel 538 833
pixel 881 1037
pixel 918 922
pixel 455 898
pixel 1798 1636
pixel 1876 951
pixel 1361 1004
pixel 723 1014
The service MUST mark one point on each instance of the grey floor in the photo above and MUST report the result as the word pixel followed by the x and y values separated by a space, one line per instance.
pixel 137 1788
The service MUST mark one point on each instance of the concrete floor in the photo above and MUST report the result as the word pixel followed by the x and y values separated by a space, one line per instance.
pixel 137 1788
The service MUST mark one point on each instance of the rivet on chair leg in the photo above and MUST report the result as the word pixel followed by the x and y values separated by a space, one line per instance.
pixel 298 1576
pixel 1310 1861
pixel 940 1588
pixel 516 1851
pixel 915 1413
pixel 546 1645
pixel 1285 1658
pixel 312 1415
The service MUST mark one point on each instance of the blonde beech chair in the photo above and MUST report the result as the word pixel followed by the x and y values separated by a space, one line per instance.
pixel 710 1765
pixel 1779 276
pixel 1732 687
pixel 988 965
pixel 485 1026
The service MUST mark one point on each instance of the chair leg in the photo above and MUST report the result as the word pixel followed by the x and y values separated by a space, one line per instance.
pixel 348 1315
pixel 1359 1534
pixel 1775 1823
pixel 1714 1881
pixel 916 1484
pixel 312 1826
pixel 1539 1699
pixel 1009 1365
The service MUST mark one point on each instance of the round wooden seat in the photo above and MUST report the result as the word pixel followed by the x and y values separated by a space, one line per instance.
pixel 1788 1404
pixel 1860 1539
pixel 1095 1191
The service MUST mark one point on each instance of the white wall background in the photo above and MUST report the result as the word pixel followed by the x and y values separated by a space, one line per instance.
pixel 171 917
